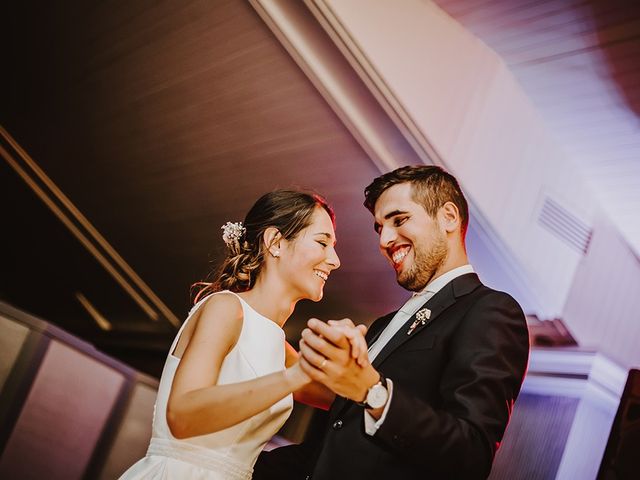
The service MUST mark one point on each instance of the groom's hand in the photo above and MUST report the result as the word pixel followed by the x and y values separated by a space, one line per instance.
pixel 355 335
pixel 326 358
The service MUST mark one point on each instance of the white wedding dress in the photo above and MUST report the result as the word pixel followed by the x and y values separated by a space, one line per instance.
pixel 232 452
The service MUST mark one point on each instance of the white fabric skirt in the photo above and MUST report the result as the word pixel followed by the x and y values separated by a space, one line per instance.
pixel 169 459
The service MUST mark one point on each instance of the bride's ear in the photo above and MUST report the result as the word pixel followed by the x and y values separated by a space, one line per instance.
pixel 271 240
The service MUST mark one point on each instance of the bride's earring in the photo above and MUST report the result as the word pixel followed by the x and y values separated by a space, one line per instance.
pixel 275 254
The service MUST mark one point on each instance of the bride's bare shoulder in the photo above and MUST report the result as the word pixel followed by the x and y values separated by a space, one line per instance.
pixel 221 307
pixel 219 318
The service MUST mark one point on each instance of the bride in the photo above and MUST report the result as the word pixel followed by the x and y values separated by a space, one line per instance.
pixel 228 380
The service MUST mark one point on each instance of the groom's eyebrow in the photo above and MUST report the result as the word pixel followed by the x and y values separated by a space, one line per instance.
pixel 394 213
pixel 377 226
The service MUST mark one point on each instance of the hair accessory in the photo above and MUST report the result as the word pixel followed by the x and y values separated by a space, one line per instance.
pixel 232 232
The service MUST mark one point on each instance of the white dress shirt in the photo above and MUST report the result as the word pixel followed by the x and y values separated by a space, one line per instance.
pixel 417 300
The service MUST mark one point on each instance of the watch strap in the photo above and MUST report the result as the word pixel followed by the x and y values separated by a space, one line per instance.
pixel 382 381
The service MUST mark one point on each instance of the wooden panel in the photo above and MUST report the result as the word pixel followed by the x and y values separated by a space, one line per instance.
pixel 12 338
pixel 528 451
pixel 134 432
pixel 62 417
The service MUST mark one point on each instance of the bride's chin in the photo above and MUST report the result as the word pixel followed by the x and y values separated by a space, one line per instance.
pixel 317 297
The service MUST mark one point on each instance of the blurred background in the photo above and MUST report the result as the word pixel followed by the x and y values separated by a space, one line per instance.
pixel 131 131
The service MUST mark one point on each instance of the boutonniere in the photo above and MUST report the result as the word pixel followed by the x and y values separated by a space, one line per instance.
pixel 422 317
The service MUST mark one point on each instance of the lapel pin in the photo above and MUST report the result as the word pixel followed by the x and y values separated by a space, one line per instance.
pixel 422 316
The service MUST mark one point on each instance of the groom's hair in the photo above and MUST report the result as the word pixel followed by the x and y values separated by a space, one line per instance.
pixel 432 187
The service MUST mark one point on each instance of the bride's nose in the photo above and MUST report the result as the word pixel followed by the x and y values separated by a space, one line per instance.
pixel 332 259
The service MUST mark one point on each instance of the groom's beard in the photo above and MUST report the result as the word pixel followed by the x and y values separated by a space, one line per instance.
pixel 425 264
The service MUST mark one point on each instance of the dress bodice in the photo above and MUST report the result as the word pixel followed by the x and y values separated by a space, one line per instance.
pixel 259 351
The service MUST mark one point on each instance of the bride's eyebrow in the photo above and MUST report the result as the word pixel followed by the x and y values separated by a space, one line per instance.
pixel 328 235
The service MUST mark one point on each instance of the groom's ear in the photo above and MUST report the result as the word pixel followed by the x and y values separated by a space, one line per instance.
pixel 271 239
pixel 449 217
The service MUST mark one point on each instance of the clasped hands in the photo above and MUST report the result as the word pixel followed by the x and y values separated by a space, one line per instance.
pixel 335 354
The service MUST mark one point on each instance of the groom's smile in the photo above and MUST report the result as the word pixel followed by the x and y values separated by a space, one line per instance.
pixel 397 254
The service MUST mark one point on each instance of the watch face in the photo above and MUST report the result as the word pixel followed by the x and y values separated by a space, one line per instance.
pixel 377 396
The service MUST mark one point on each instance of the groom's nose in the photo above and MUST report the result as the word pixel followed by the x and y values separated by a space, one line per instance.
pixel 387 235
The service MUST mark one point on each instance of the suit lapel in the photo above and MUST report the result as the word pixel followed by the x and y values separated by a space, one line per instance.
pixel 442 300
pixel 437 304
pixel 378 327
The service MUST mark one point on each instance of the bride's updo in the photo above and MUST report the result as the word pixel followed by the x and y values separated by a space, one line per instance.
pixel 289 211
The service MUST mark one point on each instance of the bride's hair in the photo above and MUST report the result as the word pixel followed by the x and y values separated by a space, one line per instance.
pixel 289 211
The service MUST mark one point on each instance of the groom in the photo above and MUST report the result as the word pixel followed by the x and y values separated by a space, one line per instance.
pixel 445 368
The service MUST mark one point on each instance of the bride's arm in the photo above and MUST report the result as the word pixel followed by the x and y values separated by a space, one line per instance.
pixel 197 405
pixel 314 393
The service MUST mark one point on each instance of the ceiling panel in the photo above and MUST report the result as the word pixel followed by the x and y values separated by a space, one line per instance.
pixel 579 61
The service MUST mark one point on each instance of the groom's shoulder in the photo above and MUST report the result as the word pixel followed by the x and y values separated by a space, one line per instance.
pixel 487 297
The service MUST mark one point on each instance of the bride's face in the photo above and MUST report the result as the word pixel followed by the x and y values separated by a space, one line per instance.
pixel 308 260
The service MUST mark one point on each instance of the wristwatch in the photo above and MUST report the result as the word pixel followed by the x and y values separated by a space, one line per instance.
pixel 377 395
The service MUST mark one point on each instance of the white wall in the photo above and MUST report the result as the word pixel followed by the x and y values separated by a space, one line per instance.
pixel 460 105
pixel 603 305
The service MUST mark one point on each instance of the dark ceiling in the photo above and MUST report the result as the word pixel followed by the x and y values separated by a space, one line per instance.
pixel 161 121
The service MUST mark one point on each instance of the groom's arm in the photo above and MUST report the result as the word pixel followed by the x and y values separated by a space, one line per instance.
pixel 479 385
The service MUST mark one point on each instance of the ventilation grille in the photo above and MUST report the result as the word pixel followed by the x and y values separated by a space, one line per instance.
pixel 565 225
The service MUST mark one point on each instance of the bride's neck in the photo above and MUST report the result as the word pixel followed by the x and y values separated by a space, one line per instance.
pixel 271 299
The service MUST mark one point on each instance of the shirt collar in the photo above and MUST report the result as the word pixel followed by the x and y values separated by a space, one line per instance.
pixel 435 285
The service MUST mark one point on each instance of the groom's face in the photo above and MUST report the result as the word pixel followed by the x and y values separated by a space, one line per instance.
pixel 414 243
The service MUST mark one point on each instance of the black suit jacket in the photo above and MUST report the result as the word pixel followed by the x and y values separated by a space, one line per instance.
pixel 455 380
